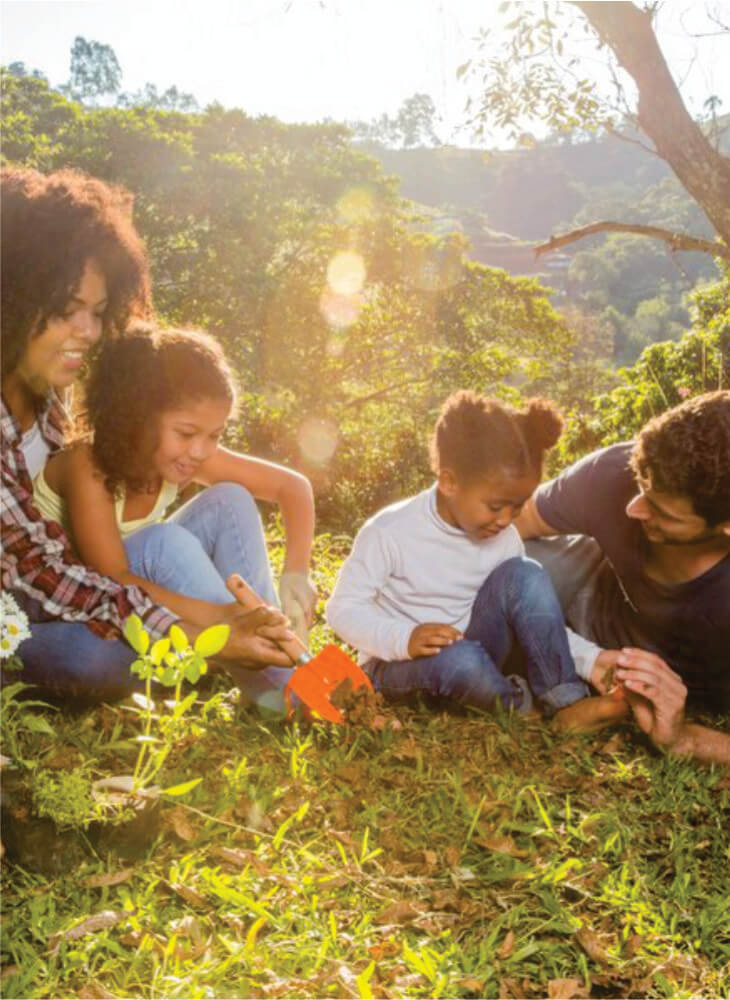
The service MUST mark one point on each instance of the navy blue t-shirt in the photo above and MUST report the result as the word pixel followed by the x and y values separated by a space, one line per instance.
pixel 687 624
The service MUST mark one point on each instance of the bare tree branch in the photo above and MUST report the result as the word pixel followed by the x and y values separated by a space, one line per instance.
pixel 378 394
pixel 676 241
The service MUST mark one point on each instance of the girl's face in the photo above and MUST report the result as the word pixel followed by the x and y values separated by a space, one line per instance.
pixel 54 356
pixel 486 507
pixel 187 437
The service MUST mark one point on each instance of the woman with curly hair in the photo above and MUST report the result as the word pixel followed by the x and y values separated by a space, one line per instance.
pixel 74 273
pixel 111 490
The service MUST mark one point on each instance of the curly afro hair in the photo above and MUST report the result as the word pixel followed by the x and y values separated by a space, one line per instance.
pixel 475 436
pixel 686 452
pixel 136 378
pixel 52 225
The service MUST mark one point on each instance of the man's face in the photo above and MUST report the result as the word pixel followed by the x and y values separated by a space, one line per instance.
pixel 667 519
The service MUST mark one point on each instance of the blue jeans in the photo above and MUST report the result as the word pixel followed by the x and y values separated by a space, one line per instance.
pixel 217 533
pixel 515 603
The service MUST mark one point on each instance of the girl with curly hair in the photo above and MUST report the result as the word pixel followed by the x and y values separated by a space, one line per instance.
pixel 157 403
pixel 437 587
pixel 74 273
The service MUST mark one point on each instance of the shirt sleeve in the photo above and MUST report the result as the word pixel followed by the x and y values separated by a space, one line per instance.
pixel 584 653
pixel 353 611
pixel 38 565
pixel 572 501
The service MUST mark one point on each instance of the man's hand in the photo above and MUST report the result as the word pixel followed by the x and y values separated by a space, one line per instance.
pixel 254 636
pixel 429 639
pixel 298 600
pixel 656 695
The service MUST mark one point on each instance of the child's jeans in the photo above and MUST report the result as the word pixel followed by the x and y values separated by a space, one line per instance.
pixel 217 533
pixel 516 603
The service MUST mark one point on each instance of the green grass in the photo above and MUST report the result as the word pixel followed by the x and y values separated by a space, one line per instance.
pixel 468 855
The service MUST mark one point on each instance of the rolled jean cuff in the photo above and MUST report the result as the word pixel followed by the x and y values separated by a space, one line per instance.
pixel 563 695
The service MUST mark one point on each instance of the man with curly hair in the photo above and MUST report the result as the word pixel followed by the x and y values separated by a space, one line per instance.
pixel 648 575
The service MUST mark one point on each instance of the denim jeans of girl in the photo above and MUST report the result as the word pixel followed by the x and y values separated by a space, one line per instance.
pixel 217 533
pixel 516 603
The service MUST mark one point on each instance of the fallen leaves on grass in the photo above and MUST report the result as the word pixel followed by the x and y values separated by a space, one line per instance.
pixel 401 912
pixel 96 922
pixel 564 989
pixel 591 945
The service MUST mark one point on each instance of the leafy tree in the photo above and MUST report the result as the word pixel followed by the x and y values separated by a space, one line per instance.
pixel 413 126
pixel 515 86
pixel 95 70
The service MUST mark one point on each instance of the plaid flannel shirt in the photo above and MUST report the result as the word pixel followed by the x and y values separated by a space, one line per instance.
pixel 38 565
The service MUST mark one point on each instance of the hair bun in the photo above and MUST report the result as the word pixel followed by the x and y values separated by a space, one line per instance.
pixel 543 422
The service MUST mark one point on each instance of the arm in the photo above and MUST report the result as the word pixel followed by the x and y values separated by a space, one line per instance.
pixel 530 524
pixel 292 492
pixel 254 635
pixel 353 611
pixel 657 697
pixel 38 563
pixel 99 544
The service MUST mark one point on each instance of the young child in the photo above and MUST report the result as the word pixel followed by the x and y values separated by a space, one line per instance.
pixel 437 587
pixel 157 403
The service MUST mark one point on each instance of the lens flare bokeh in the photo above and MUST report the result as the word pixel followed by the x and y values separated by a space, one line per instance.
pixel 346 273
pixel 317 440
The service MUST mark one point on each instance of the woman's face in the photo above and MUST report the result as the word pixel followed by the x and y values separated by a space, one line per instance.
pixel 54 356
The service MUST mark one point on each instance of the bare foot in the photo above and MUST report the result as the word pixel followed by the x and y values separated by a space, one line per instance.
pixel 590 714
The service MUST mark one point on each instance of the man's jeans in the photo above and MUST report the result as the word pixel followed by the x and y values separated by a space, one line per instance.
pixel 516 602
pixel 217 533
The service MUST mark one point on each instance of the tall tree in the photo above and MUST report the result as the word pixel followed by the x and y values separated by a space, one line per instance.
pixel 568 101
pixel 95 70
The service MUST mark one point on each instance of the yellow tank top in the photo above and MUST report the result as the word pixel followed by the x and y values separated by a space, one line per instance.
pixel 53 507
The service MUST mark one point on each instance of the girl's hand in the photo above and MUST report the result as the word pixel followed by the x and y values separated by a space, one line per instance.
pixel 429 639
pixel 298 600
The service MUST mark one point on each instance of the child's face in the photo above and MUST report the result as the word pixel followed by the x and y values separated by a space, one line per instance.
pixel 187 437
pixel 486 507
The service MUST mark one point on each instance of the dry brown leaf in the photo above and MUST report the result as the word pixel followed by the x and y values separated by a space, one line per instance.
pixel 508 945
pixel 633 943
pixel 564 989
pixel 501 845
pixel 472 985
pixel 614 744
pixel 8 971
pixel 402 912
pixel 96 922
pixel 591 945
pixel 191 896
pixel 93 990
pixel 452 856
pixel 178 820
pixel 111 878
pixel 385 950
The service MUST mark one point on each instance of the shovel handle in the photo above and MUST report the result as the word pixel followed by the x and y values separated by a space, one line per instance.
pixel 247 597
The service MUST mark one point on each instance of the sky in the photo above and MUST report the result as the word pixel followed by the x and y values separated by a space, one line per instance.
pixel 307 60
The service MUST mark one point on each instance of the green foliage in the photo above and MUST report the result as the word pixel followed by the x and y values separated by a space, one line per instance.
pixel 66 798
pixel 664 375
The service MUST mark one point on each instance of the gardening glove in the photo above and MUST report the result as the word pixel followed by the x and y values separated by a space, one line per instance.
pixel 298 598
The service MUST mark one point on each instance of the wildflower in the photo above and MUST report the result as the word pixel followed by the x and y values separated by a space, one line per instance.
pixel 683 392
pixel 13 626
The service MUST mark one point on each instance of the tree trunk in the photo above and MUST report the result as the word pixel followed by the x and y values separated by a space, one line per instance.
pixel 703 171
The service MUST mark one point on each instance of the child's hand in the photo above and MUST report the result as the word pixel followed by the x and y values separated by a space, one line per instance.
pixel 603 674
pixel 429 639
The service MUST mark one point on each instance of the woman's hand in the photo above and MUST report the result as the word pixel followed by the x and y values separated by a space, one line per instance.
pixel 603 674
pixel 255 636
pixel 429 639
pixel 298 600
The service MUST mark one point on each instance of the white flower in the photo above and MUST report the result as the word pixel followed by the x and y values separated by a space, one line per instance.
pixel 13 626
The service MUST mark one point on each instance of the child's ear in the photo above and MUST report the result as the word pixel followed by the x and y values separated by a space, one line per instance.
pixel 447 482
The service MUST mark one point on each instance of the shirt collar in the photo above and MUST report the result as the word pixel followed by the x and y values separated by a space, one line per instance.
pixel 52 417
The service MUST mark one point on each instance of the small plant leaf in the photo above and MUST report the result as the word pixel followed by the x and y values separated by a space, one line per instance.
pixel 135 634
pixel 158 651
pixel 182 789
pixel 212 640
pixel 178 638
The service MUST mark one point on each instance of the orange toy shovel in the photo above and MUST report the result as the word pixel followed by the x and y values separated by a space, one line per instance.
pixel 316 677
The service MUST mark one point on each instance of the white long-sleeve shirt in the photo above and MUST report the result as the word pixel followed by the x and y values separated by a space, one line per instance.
pixel 408 567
